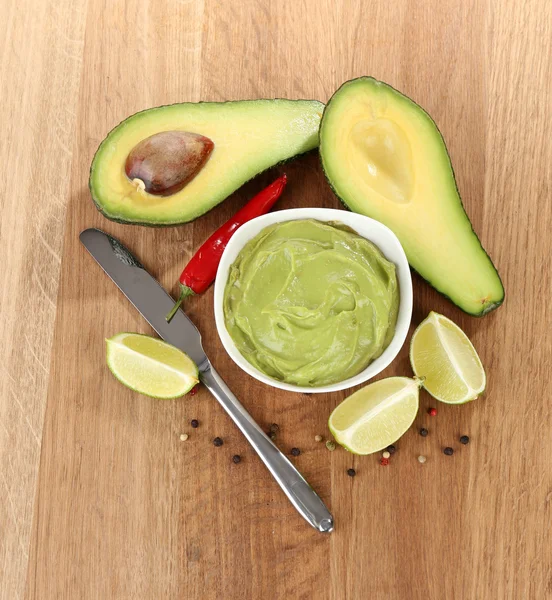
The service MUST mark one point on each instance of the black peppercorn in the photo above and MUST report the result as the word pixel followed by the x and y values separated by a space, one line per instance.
pixel 391 449
pixel 464 440
pixel 448 451
pixel 423 432
pixel 295 451
pixel 351 472
pixel 218 442
pixel 274 428
pixel 194 423
pixel 236 459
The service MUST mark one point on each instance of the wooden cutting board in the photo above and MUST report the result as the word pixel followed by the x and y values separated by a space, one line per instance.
pixel 104 500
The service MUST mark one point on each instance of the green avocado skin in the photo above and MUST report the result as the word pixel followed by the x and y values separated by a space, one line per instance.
pixel 207 207
pixel 485 308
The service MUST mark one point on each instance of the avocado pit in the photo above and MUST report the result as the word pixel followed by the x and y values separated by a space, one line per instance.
pixel 165 162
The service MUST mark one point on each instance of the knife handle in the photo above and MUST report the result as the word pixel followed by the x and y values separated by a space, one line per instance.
pixel 294 485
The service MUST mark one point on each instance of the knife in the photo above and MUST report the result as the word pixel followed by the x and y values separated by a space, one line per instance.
pixel 153 302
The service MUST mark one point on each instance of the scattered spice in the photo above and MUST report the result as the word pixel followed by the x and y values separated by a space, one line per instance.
pixel 351 472
pixel 384 462
pixel 271 435
pixel 274 428
pixel 448 451
pixel 465 440
pixel 330 445
pixel 422 459
pixel 432 411
pixel 183 437
pixel 295 451
pixel 193 391
pixel 423 432
pixel 318 438
pixel 391 449
pixel 194 423
pixel 236 459
pixel 218 442
pixel 386 454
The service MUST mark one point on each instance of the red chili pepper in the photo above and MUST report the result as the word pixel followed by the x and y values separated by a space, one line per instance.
pixel 200 272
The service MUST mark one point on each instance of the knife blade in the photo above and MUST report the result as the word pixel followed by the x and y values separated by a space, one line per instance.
pixel 153 303
pixel 144 292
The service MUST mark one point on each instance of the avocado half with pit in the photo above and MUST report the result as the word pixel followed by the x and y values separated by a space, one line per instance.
pixel 385 158
pixel 227 142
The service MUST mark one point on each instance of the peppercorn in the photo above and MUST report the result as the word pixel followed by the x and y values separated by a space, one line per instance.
pixel 391 449
pixel 423 432
pixel 218 442
pixel 464 440
pixel 330 445
pixel 183 437
pixel 448 451
pixel 384 462
pixel 194 423
pixel 236 459
pixel 432 411
pixel 351 472
pixel 274 428
pixel 295 451
pixel 271 435
pixel 317 438
pixel 386 454
pixel 193 391
pixel 422 459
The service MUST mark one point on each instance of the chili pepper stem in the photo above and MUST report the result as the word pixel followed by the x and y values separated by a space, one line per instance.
pixel 185 291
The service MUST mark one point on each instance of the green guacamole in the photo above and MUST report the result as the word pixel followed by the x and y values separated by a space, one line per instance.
pixel 311 303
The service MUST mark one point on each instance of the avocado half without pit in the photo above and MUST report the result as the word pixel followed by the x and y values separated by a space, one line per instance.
pixel 171 164
pixel 385 158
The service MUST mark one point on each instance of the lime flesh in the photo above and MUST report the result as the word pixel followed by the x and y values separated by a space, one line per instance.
pixel 442 354
pixel 150 366
pixel 376 415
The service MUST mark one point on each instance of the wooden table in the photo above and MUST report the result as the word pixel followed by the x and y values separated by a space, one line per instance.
pixel 99 497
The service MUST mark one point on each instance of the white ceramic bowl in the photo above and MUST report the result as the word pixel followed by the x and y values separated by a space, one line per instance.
pixel 372 230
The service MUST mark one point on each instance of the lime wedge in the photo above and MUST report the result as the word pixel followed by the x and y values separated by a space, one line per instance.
pixel 442 354
pixel 376 416
pixel 150 366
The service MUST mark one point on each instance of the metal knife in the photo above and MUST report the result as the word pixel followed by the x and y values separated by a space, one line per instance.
pixel 154 303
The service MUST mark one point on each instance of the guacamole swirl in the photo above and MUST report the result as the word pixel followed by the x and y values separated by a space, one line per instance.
pixel 311 303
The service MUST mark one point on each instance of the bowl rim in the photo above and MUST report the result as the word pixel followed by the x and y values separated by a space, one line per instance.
pixel 393 252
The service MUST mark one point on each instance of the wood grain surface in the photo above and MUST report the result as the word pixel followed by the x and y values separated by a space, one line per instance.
pixel 99 498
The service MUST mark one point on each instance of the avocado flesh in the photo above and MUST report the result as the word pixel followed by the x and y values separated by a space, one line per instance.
pixel 249 137
pixel 385 158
